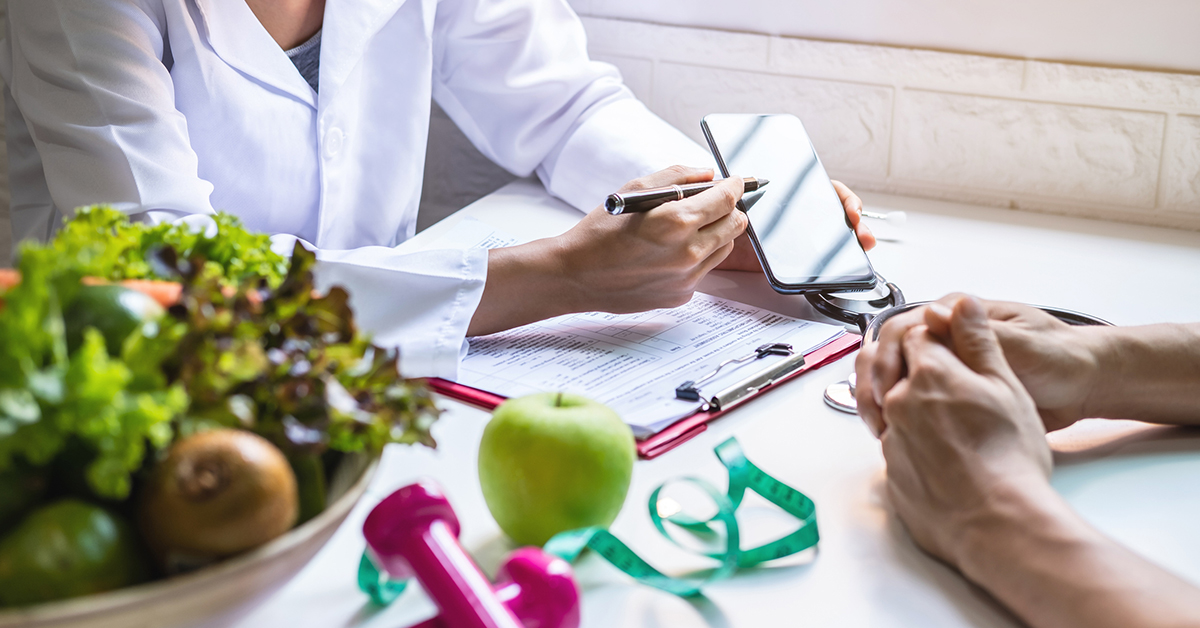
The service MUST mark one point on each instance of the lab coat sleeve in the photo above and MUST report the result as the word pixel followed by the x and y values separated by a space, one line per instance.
pixel 98 101
pixel 391 294
pixel 89 81
pixel 516 78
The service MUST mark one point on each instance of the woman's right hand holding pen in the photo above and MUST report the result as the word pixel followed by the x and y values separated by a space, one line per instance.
pixel 620 264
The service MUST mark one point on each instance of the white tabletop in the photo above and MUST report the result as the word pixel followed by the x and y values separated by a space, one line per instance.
pixel 1136 483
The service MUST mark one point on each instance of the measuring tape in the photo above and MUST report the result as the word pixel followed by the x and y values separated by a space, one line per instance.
pixel 743 476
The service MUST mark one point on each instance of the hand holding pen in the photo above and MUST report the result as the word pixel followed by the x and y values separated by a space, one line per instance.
pixel 646 200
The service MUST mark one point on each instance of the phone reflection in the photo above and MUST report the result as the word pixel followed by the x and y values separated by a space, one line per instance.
pixel 798 220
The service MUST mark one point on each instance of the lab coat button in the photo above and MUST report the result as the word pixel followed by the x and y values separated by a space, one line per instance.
pixel 333 142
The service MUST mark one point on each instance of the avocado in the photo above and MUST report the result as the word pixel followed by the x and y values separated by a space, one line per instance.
pixel 116 311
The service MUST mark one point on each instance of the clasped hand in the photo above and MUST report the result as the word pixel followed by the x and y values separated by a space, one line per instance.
pixel 960 429
pixel 1054 361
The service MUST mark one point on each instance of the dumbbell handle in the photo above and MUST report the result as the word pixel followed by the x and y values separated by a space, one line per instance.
pixel 414 533
pixel 463 593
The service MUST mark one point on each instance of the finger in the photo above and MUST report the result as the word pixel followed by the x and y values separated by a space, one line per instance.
pixel 924 352
pixel 868 410
pixel 675 175
pixel 1007 311
pixel 887 364
pixel 865 237
pixel 974 341
pixel 854 208
pixel 743 257
pixel 716 202
pixel 996 310
pixel 713 260
pixel 725 230
pixel 850 202
pixel 937 319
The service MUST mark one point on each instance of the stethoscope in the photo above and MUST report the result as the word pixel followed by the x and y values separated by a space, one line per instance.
pixel 870 310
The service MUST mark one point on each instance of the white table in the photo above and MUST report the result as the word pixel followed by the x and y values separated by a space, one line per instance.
pixel 1138 484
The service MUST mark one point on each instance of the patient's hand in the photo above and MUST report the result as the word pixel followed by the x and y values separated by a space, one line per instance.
pixel 1056 362
pixel 743 257
pixel 962 433
pixel 968 473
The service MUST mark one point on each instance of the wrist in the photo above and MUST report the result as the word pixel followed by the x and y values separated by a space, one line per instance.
pixel 571 271
pixel 1112 348
pixel 525 283
pixel 1020 519
pixel 1101 347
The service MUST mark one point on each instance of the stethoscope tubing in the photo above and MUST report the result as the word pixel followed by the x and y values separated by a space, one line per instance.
pixel 840 395
pixel 894 304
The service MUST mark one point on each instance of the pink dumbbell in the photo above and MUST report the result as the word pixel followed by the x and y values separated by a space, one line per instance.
pixel 414 533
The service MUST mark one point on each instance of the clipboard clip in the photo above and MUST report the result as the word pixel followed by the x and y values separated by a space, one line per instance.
pixel 690 390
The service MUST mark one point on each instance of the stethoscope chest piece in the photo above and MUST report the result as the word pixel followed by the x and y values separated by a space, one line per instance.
pixel 840 396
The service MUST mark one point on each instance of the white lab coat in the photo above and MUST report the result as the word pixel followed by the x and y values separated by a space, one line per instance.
pixel 180 107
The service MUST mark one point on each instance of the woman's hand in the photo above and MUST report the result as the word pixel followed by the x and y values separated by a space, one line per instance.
pixel 627 263
pixel 636 262
pixel 964 440
pixel 743 257
pixel 1057 363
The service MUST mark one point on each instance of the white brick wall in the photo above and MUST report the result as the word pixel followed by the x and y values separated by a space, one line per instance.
pixel 1080 140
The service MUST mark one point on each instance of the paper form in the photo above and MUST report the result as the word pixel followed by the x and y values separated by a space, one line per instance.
pixel 633 362
pixel 630 362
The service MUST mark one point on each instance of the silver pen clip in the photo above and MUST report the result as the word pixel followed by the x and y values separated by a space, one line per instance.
pixel 690 390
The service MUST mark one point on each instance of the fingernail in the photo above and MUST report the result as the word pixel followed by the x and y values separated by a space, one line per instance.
pixel 942 311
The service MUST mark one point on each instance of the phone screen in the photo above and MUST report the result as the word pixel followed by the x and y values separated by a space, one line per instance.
pixel 797 221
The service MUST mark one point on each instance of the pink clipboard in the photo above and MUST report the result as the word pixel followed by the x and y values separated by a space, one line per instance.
pixel 681 431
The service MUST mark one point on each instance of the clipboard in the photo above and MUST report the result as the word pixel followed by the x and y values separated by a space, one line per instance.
pixel 684 429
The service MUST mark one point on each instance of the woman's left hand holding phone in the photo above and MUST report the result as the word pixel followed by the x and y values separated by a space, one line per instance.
pixel 629 263
pixel 744 258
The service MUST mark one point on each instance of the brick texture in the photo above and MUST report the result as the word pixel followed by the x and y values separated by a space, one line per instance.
pixel 1035 135
pixel 1181 176
pixel 1049 150
pixel 849 123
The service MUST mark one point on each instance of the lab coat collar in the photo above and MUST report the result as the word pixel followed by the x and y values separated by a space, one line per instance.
pixel 240 40
pixel 348 27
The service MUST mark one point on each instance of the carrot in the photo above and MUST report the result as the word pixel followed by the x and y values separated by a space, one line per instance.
pixel 9 278
pixel 165 292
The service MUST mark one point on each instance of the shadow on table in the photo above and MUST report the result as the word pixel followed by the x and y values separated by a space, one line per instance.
pixel 1095 439
pixel 971 601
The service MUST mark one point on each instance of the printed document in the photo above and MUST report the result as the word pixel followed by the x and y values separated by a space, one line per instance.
pixel 630 362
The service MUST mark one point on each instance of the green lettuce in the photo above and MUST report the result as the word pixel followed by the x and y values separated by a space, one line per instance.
pixel 48 397
pixel 102 242
pixel 249 345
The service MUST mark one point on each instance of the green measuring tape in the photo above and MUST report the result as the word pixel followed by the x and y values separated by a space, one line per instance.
pixel 743 476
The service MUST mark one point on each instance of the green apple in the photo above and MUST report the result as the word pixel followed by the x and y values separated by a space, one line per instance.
pixel 552 462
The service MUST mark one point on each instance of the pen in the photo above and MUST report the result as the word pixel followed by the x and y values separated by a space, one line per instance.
pixel 646 200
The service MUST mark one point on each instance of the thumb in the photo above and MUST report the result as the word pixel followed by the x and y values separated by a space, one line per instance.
pixel 974 341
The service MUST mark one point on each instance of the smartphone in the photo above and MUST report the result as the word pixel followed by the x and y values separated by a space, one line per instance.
pixel 797 224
